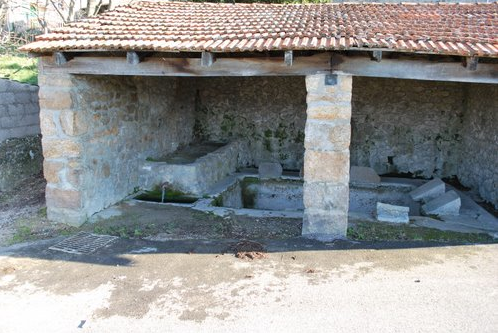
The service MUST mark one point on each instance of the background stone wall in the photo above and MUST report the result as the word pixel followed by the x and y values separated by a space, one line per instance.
pixel 478 167
pixel 20 144
pixel 269 112
pixel 428 128
pixel 407 126
pixel 19 110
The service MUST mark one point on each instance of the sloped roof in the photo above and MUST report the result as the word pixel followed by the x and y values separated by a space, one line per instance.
pixel 453 29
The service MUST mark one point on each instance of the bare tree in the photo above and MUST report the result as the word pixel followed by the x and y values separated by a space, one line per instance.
pixel 93 7
pixel 4 6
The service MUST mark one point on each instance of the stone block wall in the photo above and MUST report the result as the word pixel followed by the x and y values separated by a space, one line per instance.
pixel 326 157
pixel 20 142
pixel 268 112
pixel 19 110
pixel 97 131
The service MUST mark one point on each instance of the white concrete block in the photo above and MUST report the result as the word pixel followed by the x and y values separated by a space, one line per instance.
pixel 429 190
pixel 363 175
pixel 447 204
pixel 392 213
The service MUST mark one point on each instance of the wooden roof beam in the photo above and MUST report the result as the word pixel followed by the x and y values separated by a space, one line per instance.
pixel 207 59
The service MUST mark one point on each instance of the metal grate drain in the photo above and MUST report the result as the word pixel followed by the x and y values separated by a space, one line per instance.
pixel 83 243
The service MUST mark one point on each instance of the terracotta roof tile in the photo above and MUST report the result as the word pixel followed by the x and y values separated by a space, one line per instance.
pixel 458 29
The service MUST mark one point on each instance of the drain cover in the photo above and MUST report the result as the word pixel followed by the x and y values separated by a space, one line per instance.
pixel 83 243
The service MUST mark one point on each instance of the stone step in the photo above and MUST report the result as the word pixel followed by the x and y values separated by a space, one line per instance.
pixel 429 191
pixel 392 213
pixel 363 175
pixel 447 204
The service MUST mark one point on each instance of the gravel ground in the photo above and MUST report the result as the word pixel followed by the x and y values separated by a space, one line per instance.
pixel 25 201
pixel 23 213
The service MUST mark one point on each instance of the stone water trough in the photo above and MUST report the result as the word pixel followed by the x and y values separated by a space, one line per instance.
pixel 194 169
pixel 207 174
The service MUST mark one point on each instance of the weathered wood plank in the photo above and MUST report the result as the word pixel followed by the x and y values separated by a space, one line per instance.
pixel 207 59
pixel 133 58
pixel 155 66
pixel 288 58
pixel 377 55
pixel 333 63
pixel 472 63
pixel 61 58
pixel 414 69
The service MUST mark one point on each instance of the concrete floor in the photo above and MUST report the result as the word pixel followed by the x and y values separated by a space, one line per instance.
pixel 303 286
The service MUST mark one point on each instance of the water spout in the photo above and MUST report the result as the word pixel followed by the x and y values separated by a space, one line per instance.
pixel 163 193
pixel 163 190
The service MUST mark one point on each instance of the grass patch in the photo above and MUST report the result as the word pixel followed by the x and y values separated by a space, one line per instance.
pixel 135 230
pixel 377 231
pixel 38 227
pixel 19 67
pixel 23 233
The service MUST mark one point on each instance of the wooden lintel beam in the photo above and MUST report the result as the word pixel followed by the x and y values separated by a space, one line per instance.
pixel 377 55
pixel 61 58
pixel 134 58
pixel 167 66
pixel 415 69
pixel 207 59
pixel 471 63
pixel 288 58
pixel 325 63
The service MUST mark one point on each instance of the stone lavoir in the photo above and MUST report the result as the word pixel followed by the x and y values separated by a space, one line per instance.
pixel 110 118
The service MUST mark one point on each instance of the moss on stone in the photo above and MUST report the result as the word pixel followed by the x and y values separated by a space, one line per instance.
pixel 218 201
pixel 248 195
pixel 299 137
pixel 267 145
pixel 171 195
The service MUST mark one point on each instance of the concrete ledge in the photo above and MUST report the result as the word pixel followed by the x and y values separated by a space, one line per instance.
pixel 392 213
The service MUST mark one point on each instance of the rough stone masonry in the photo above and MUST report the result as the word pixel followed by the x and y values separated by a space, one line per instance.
pixel 326 157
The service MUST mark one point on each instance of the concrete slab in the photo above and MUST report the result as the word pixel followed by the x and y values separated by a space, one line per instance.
pixel 392 213
pixel 363 175
pixel 430 190
pixel 268 170
pixel 447 204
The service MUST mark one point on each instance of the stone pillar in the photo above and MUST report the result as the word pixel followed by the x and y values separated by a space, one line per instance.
pixel 62 149
pixel 326 157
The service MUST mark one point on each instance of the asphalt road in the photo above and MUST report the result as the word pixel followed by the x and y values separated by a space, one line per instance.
pixel 302 286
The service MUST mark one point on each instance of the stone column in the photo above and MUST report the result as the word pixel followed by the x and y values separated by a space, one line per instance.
pixel 62 149
pixel 326 158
